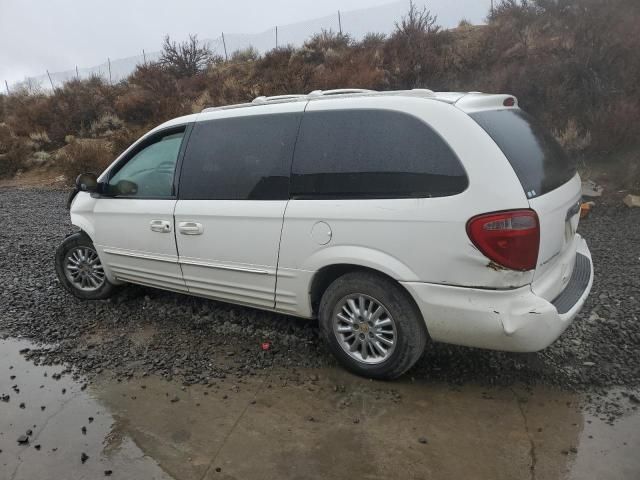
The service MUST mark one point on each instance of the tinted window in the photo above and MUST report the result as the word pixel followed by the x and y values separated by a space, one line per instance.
pixel 240 158
pixel 149 172
pixel 372 154
pixel 538 160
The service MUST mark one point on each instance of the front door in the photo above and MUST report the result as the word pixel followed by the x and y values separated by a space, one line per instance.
pixel 234 188
pixel 134 230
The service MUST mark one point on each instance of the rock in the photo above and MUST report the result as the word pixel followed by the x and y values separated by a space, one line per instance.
pixel 23 406
pixel 84 457
pixel 632 200
pixel 175 399
pixel 23 439
pixel 5 398
pixel 588 364
pixel 423 440
pixel 37 447
pixel 108 473
pixel 84 430
pixel 591 189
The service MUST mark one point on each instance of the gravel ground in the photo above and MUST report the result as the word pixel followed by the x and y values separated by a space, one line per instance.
pixel 143 330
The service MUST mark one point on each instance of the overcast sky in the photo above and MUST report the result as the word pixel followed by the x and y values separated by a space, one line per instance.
pixel 59 34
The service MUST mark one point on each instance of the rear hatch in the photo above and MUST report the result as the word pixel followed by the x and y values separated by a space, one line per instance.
pixel 552 186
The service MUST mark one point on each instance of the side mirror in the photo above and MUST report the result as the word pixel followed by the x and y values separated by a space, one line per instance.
pixel 87 182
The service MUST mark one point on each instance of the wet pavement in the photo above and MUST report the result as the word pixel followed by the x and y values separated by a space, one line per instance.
pixel 299 423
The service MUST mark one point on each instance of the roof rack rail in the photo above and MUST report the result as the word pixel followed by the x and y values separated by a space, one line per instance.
pixel 339 91
pixel 275 98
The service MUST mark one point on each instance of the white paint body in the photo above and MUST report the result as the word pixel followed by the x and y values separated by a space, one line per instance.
pixel 266 253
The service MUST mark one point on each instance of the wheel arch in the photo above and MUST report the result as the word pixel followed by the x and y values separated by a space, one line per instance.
pixel 84 225
pixel 327 274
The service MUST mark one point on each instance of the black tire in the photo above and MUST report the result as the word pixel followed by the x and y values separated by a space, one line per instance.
pixel 79 239
pixel 411 332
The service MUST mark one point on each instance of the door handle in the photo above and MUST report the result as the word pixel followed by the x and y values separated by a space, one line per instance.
pixel 190 228
pixel 161 226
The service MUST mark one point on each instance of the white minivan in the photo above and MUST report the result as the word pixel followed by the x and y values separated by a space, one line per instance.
pixel 392 217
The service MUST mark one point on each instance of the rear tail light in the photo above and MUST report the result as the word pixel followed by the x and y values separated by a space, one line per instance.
pixel 509 238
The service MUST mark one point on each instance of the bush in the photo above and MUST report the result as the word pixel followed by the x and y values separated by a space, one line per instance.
pixel 15 157
pixel 185 59
pixel 106 125
pixel 84 155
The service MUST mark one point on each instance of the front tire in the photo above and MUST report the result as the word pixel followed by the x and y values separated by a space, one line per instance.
pixel 371 325
pixel 80 270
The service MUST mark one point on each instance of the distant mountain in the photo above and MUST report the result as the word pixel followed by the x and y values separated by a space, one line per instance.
pixel 357 23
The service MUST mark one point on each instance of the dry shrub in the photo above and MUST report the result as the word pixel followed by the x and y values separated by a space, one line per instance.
pixel 572 139
pixel 77 105
pixel 280 71
pixel 84 155
pixel 106 125
pixel 5 137
pixel 152 96
pixel 15 156
pixel 185 59
pixel 616 126
pixel 243 55
pixel 415 53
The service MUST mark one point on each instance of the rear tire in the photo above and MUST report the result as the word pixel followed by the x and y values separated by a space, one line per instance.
pixel 79 269
pixel 371 325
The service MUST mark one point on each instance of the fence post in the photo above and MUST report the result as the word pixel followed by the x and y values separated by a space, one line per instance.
pixel 77 73
pixel 339 22
pixel 224 45
pixel 109 62
pixel 144 56
pixel 50 80
pixel 6 85
pixel 276 36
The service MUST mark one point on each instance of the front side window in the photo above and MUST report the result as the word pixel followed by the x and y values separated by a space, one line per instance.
pixel 149 172
pixel 372 154
pixel 240 158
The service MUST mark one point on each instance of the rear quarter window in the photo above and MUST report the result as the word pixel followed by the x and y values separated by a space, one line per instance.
pixel 536 157
pixel 369 153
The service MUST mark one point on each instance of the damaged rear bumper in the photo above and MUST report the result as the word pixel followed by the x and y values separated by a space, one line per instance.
pixel 514 320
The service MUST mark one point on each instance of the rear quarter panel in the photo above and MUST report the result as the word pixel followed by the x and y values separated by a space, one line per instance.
pixel 410 239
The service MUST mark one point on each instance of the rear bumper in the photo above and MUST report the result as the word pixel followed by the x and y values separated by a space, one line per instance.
pixel 514 320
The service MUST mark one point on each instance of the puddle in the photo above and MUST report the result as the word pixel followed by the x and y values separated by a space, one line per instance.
pixel 301 423
pixel 609 451
pixel 57 441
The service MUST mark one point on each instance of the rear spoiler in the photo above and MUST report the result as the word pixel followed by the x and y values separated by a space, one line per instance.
pixel 476 101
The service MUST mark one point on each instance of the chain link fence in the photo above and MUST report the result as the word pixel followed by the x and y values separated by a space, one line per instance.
pixel 356 23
